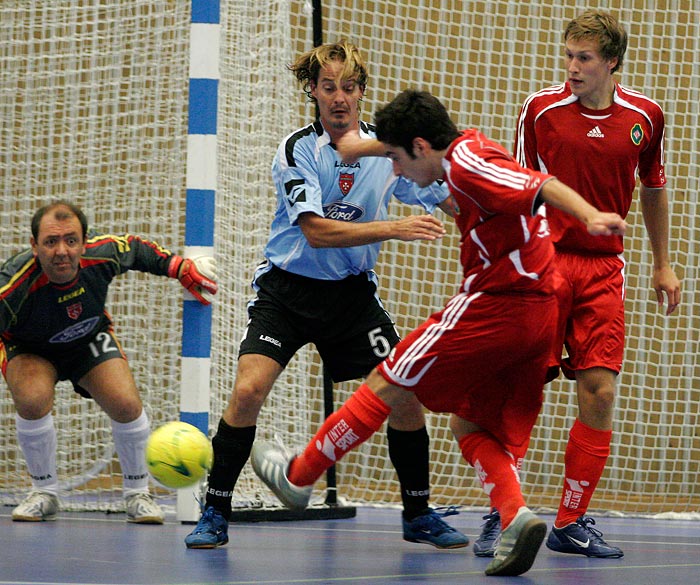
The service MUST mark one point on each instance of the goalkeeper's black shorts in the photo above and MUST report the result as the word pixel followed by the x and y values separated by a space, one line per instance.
pixel 72 364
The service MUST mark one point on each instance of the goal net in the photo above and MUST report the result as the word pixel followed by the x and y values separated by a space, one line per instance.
pixel 94 108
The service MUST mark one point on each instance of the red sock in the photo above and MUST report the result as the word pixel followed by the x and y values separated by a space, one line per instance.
pixel 496 470
pixel 518 452
pixel 584 462
pixel 357 420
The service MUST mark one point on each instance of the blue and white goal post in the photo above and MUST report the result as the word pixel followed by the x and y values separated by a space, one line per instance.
pixel 199 222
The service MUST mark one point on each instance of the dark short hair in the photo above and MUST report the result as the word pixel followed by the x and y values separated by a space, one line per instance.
pixel 61 209
pixel 413 114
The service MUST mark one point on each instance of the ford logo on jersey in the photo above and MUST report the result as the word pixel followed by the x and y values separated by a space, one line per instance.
pixel 75 331
pixel 343 211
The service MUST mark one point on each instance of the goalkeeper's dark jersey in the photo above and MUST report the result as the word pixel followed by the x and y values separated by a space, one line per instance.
pixel 51 317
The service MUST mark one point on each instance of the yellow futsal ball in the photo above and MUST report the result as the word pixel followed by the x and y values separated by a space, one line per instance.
pixel 178 454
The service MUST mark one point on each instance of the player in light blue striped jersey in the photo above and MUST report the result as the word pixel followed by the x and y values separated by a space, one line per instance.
pixel 317 285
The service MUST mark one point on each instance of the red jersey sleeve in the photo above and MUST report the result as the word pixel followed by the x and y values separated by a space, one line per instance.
pixel 484 172
pixel 505 244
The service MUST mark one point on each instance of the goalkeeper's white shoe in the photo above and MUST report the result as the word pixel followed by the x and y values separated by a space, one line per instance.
pixel 271 463
pixel 36 507
pixel 142 509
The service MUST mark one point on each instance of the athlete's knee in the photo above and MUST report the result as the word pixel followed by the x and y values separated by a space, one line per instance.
pixel 31 381
pixel 594 380
pixel 406 411
pixel 33 409
pixel 596 390
pixel 246 401
pixel 122 407
pixel 250 394
pixel 32 402
pixel 461 427
pixel 605 395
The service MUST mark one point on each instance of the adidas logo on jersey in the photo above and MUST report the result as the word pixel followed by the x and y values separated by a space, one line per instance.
pixel 595 133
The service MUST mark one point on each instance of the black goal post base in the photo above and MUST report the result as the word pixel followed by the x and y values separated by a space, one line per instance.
pixel 320 512
pixel 323 512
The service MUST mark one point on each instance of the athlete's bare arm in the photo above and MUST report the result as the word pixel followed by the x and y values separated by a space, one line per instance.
pixel 654 204
pixel 331 233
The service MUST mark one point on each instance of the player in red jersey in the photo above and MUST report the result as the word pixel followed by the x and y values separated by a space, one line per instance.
pixel 53 326
pixel 596 136
pixel 484 357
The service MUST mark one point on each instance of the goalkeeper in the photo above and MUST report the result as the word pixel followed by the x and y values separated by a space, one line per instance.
pixel 317 285
pixel 53 326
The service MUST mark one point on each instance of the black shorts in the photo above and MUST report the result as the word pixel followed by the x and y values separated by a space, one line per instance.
pixel 344 319
pixel 78 361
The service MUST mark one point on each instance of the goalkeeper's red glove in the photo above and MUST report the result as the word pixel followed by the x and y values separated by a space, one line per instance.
pixel 197 275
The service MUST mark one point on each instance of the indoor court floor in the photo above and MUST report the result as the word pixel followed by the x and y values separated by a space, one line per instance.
pixel 94 548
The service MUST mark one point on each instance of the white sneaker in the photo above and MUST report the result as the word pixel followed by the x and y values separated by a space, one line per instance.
pixel 518 546
pixel 142 509
pixel 37 506
pixel 270 463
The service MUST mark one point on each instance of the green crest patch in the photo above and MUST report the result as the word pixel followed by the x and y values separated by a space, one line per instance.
pixel 637 134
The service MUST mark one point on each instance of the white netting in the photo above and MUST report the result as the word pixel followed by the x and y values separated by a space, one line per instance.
pixel 93 107
pixel 483 59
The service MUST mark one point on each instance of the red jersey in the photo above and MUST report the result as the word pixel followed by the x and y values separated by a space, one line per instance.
pixel 505 243
pixel 596 152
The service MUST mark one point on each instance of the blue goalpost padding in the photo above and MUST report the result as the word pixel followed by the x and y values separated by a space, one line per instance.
pixel 199 222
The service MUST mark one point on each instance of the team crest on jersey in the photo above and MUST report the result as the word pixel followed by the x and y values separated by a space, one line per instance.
pixel 637 134
pixel 75 310
pixel 345 182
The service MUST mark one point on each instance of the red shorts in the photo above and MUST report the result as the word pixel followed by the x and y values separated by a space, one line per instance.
pixel 591 298
pixel 484 358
